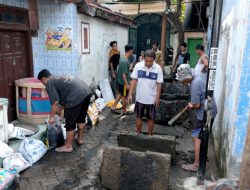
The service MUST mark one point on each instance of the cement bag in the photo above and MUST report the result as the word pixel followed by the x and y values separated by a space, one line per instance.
pixel 18 132
pixel 106 90
pixel 32 150
pixel 5 150
pixel 6 179
pixel 93 113
pixel 17 161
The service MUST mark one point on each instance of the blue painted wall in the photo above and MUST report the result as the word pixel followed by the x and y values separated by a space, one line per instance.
pixel 232 89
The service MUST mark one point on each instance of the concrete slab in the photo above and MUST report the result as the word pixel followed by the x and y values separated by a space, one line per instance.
pixel 143 143
pixel 125 169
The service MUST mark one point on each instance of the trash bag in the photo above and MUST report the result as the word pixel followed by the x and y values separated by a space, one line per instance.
pixel 55 136
pixel 6 179
pixel 17 161
pixel 5 150
pixel 32 150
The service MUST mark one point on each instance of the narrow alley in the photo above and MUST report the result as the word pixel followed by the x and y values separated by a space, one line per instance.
pixel 124 95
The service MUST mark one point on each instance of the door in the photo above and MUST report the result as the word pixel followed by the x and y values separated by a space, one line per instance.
pixel 192 43
pixel 14 64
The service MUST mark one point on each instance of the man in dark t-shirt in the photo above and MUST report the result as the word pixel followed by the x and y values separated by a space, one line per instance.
pixel 183 57
pixel 74 97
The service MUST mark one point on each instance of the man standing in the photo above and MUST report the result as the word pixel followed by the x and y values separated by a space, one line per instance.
pixel 114 56
pixel 158 54
pixel 202 64
pixel 123 79
pixel 149 78
pixel 74 96
pixel 183 57
pixel 198 91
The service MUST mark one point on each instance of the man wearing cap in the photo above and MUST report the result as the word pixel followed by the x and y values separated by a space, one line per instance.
pixel 198 91
pixel 149 77
pixel 74 96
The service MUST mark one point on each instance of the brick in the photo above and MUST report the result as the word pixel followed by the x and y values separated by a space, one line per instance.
pixel 155 143
pixel 124 169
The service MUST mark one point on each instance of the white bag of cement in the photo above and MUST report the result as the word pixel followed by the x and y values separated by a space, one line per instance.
pixel 100 104
pixel 32 150
pixel 18 132
pixel 17 161
pixel 5 150
pixel 106 90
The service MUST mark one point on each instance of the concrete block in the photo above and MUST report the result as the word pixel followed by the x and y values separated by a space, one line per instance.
pixel 168 109
pixel 124 169
pixel 175 88
pixel 143 143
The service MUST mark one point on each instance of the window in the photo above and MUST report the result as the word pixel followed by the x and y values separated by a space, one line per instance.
pixel 85 38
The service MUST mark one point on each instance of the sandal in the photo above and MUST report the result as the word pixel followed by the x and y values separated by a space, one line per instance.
pixel 78 142
pixel 126 113
pixel 63 150
pixel 190 167
pixel 115 111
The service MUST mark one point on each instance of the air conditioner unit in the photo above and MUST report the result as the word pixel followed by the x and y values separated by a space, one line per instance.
pixel 4 132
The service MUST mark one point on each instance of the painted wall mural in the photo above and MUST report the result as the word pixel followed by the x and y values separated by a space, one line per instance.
pixel 59 38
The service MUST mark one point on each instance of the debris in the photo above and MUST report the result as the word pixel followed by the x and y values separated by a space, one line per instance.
pixel 32 150
pixel 16 160
pixel 5 150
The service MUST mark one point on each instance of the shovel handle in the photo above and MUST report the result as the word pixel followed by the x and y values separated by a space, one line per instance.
pixel 178 115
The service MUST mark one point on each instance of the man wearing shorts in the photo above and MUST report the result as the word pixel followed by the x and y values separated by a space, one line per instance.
pixel 198 91
pixel 123 79
pixel 74 96
pixel 148 77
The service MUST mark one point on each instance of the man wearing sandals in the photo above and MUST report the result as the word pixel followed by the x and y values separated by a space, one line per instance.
pixel 74 96
pixel 148 77
pixel 198 91
pixel 123 79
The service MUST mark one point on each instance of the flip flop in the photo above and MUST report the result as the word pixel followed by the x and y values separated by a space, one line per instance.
pixel 190 167
pixel 115 111
pixel 126 113
pixel 78 143
pixel 60 150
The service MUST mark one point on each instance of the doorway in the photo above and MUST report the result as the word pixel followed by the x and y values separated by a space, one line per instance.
pixel 192 43
pixel 15 51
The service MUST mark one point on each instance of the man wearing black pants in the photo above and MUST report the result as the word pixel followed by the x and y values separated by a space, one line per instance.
pixel 74 96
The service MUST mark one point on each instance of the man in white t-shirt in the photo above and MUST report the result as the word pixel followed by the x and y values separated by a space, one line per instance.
pixel 148 77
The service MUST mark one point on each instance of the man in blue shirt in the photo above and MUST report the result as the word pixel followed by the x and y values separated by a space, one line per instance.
pixel 198 93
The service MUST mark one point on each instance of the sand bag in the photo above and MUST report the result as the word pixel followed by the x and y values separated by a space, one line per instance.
pixel 32 150
pixel 5 150
pixel 18 132
pixel 17 161
pixel 6 179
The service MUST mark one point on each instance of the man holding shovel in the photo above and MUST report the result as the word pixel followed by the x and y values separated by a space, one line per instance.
pixel 72 94
pixel 198 92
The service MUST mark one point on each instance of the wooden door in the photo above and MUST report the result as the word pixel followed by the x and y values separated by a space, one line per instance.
pixel 14 64
pixel 192 43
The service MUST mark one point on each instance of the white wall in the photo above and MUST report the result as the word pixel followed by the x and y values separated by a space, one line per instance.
pixel 102 32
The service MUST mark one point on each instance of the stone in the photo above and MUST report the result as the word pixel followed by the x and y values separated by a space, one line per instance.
pixel 168 109
pixel 125 169
pixel 175 88
pixel 143 143
pixel 172 97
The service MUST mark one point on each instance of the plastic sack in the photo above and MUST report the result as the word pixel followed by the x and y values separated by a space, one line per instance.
pixel 32 150
pixel 110 104
pixel 93 114
pixel 55 135
pixel 106 90
pixel 98 93
pixel 5 150
pixel 18 132
pixel 100 104
pixel 6 179
pixel 17 161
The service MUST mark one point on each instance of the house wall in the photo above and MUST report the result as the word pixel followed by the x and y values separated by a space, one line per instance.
pixel 15 3
pixel 95 64
pixel 232 89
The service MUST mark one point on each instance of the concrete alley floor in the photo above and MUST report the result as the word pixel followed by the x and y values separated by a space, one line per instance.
pixel 80 169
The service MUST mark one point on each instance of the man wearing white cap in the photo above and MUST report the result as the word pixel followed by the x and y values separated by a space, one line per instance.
pixel 198 91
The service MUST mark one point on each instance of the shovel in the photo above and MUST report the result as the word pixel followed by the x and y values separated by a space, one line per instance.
pixel 177 116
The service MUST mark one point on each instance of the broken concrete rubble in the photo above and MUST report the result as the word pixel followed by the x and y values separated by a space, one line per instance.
pixel 124 169
pixel 174 88
pixel 143 143
pixel 168 109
